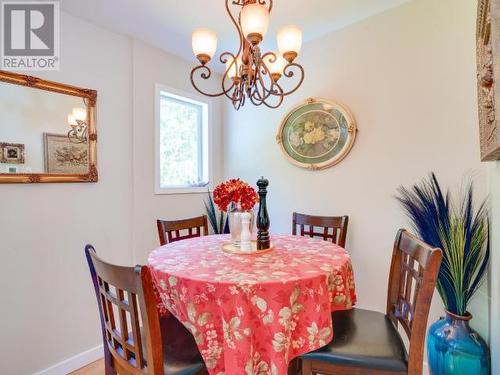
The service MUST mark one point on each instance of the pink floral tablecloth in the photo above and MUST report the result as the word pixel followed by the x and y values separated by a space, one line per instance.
pixel 254 314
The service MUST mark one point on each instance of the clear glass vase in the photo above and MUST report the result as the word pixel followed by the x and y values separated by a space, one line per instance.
pixel 234 213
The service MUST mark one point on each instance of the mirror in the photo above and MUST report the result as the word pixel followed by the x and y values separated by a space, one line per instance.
pixel 47 131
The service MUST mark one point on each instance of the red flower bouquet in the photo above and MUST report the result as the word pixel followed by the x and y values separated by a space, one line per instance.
pixel 237 192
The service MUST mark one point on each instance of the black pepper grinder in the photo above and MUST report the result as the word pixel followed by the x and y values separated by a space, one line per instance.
pixel 263 241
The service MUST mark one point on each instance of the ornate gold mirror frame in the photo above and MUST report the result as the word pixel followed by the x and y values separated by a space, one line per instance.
pixel 488 73
pixel 90 98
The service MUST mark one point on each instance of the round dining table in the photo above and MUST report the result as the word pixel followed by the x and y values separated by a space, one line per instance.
pixel 253 314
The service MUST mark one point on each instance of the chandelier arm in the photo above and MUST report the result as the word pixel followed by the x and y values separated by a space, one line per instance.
pixel 272 59
pixel 277 93
pixel 234 61
pixel 266 3
pixel 257 97
pixel 258 83
pixel 205 73
pixel 235 23
pixel 280 101
pixel 224 57
pixel 256 102
pixel 289 73
pixel 259 102
pixel 238 99
pixel 234 97
pixel 241 102
pixel 265 71
pixel 237 104
pixel 237 94
pixel 259 86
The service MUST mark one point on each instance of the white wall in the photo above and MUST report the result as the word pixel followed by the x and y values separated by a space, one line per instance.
pixel 408 75
pixel 48 310
pixel 49 313
pixel 151 66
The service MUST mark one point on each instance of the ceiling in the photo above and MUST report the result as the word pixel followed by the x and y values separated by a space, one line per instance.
pixel 167 24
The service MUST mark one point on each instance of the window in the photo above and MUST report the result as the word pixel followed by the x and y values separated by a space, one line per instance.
pixel 182 143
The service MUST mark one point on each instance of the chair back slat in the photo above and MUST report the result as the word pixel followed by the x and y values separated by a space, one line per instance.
pixel 330 228
pixel 176 230
pixel 128 313
pixel 414 271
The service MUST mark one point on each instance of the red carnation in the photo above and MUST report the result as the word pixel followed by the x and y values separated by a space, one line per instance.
pixel 235 191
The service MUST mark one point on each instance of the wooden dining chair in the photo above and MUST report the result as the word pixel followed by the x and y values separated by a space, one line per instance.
pixel 334 228
pixel 175 230
pixel 368 342
pixel 135 340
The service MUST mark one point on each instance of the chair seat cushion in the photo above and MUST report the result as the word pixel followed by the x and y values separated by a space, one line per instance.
pixel 363 338
pixel 180 352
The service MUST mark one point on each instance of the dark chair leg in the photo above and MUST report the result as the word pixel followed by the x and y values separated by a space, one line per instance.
pixel 294 367
pixel 306 367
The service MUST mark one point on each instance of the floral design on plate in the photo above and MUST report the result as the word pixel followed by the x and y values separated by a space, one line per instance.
pixel 317 134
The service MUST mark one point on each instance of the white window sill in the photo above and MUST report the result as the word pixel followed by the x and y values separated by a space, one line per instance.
pixel 184 190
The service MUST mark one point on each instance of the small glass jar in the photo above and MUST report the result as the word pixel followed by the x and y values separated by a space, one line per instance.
pixel 234 212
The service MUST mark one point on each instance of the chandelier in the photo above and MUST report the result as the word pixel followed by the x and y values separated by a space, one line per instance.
pixel 77 121
pixel 250 74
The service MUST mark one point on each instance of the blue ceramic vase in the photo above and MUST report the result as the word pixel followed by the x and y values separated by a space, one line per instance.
pixel 454 348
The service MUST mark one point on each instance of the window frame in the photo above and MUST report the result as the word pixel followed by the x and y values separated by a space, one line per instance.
pixel 206 129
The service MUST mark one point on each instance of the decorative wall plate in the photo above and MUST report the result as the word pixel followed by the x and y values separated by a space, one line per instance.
pixel 317 134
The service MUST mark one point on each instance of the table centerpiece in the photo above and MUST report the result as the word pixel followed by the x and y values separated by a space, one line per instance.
pixel 237 198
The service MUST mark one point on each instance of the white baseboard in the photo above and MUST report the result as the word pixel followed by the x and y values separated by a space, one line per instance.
pixel 74 363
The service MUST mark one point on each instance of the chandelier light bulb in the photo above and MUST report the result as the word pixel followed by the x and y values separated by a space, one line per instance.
pixel 72 120
pixel 254 22
pixel 290 42
pixel 204 42
pixel 233 69
pixel 275 66
pixel 79 114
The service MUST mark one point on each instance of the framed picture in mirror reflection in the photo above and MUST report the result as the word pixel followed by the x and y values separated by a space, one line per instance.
pixel 11 153
pixel 63 156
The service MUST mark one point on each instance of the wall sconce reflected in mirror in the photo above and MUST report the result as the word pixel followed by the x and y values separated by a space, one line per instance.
pixel 77 120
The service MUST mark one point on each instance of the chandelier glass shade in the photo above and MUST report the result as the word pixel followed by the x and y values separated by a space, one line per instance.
pixel 250 74
pixel 77 120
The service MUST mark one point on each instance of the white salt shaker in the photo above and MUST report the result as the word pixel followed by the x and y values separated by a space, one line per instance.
pixel 246 234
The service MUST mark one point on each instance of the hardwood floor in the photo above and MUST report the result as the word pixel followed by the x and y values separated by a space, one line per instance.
pixel 95 368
